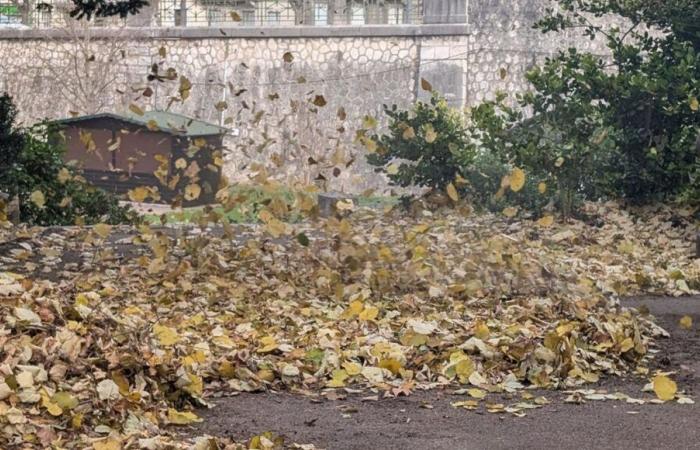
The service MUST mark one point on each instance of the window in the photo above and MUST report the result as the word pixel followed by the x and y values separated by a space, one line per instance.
pixel 10 14
pixel 248 17
pixel 395 14
pixel 215 16
pixel 321 14
pixel 166 12
pixel 178 16
pixel 273 17
pixel 357 15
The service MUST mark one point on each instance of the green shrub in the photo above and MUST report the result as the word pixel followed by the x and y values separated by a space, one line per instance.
pixel 483 186
pixel 50 192
pixel 11 138
pixel 631 122
pixel 474 155
pixel 421 146
pixel 624 127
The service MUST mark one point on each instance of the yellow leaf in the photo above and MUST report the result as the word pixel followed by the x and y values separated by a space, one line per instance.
pixel 393 169
pixel 103 230
pixel 559 162
pixel 626 345
pixel 269 343
pixel 409 133
pixel 152 125
pixel 370 145
pixel 192 192
pixel 392 365
pixel 109 443
pixel 481 330
pixel 181 163
pixel 467 404
pixel 65 400
pixel 63 175
pixel 276 228
pixel 345 205
pixel 510 212
pixel 227 370
pixel 517 180
pixel 196 385
pixel 542 188
pixel 354 309
pixel 546 221
pixel 338 378
pixel 694 103
pixel 452 192
pixel 185 87
pixel 182 417
pixel 477 393
pixel 138 194
pixel 52 407
pixel 352 368
pixel 464 368
pixel 369 122
pixel 136 109
pixel 369 313
pixel 166 336
pixel 77 420
pixel 686 322
pixel 37 197
pixel 430 134
pixel 664 387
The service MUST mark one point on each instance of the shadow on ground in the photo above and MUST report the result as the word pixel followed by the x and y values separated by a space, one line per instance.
pixel 426 420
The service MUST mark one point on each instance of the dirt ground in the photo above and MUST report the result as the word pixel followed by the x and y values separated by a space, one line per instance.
pixel 426 420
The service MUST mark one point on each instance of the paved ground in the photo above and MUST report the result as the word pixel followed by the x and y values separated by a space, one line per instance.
pixel 406 423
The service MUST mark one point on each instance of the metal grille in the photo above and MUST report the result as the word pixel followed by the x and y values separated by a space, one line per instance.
pixel 287 12
pixel 221 13
pixel 243 13
pixel 10 15
pixel 37 14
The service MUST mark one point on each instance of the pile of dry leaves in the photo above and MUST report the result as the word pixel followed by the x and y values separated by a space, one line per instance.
pixel 110 334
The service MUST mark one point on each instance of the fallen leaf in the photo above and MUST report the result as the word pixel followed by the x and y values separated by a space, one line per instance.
pixel 664 388
pixel 176 417
pixel 37 197
pixel 686 322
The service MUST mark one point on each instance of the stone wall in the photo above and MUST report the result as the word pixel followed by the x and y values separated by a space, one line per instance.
pixel 295 95
pixel 502 37
pixel 293 99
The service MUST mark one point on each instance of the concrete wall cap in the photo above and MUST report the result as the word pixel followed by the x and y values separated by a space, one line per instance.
pixel 244 32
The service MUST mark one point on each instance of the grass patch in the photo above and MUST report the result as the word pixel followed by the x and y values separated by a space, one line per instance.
pixel 250 200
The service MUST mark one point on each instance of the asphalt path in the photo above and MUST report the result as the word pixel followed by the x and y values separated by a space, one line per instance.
pixel 426 420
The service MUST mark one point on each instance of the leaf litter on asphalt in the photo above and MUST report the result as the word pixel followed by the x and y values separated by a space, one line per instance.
pixel 109 349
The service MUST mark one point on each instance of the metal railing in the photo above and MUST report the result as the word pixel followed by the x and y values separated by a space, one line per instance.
pixel 230 13
pixel 286 12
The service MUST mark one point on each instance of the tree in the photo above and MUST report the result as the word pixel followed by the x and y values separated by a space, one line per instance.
pixel 88 73
pixel 89 9
pixel 11 138
pixel 641 106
